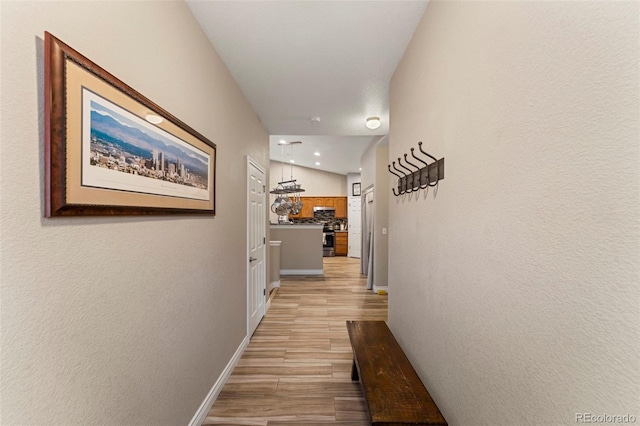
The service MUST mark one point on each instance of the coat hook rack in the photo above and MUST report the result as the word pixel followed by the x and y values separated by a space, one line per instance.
pixel 424 175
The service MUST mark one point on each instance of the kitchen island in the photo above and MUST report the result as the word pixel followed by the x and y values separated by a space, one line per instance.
pixel 300 250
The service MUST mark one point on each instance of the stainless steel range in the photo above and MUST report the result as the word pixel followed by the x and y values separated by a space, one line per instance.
pixel 326 215
pixel 328 241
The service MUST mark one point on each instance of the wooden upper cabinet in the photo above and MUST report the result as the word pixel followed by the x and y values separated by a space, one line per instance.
pixel 341 207
pixel 308 203
pixel 307 208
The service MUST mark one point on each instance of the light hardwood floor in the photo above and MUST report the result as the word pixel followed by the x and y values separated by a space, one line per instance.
pixel 296 369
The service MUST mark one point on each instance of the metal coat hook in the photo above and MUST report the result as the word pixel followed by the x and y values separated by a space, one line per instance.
pixel 409 187
pixel 434 159
pixel 419 159
pixel 399 177
pixel 415 182
pixel 401 188
pixel 424 175
pixel 410 163
pixel 426 153
pixel 425 168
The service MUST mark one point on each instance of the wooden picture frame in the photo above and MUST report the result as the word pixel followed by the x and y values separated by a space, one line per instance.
pixel 111 151
pixel 355 189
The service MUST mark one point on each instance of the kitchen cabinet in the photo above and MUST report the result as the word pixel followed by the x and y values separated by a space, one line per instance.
pixel 342 243
pixel 307 209
pixel 341 207
pixel 308 203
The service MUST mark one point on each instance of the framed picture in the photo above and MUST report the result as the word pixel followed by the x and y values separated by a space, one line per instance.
pixel 111 151
pixel 355 189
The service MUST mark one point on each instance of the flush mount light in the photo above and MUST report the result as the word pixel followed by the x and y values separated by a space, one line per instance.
pixel 373 123
pixel 152 118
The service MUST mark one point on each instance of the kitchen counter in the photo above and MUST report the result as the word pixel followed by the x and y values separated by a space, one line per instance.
pixel 296 226
pixel 301 248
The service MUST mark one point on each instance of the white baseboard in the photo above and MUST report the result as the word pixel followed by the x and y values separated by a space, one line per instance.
pixel 274 284
pixel 301 272
pixel 376 288
pixel 202 412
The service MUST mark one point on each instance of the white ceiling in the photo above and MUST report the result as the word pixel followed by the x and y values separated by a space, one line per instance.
pixel 295 60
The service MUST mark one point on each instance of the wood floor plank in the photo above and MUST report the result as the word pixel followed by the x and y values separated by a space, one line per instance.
pixel 296 369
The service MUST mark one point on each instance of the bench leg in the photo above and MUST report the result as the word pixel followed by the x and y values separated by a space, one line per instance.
pixel 354 372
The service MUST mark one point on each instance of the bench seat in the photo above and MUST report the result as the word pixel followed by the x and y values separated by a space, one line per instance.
pixel 394 393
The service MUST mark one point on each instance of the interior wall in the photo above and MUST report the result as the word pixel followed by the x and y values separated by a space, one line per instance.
pixel 374 173
pixel 351 179
pixel 515 284
pixel 119 320
pixel 368 163
pixel 381 218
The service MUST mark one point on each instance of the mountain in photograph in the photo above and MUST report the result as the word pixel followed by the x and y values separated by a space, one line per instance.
pixel 141 143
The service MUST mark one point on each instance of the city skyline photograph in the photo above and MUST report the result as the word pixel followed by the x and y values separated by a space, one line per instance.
pixel 131 154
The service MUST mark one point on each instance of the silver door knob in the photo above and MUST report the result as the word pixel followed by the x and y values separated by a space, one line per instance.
pixel 251 259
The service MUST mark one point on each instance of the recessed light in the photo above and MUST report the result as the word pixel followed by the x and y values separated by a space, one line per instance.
pixel 152 118
pixel 373 123
pixel 291 161
pixel 317 163
pixel 360 169
pixel 317 154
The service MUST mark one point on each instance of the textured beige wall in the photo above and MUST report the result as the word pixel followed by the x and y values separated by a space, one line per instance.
pixel 113 320
pixel 515 289
pixel 314 182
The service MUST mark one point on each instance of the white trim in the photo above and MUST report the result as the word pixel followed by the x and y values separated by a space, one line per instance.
pixel 265 254
pixel 376 288
pixel 301 272
pixel 202 412
pixel 274 284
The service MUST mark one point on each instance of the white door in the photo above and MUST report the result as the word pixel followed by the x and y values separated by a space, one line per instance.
pixel 355 227
pixel 256 244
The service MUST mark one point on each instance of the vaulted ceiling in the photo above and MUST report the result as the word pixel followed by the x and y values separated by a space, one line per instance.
pixel 297 61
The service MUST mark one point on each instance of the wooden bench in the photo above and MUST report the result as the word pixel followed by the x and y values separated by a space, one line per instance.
pixel 394 393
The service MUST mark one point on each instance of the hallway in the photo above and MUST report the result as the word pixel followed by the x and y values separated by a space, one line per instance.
pixel 296 368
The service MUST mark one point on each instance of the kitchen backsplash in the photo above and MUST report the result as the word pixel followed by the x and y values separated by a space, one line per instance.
pixel 321 217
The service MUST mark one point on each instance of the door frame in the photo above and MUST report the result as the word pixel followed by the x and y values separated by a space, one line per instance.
pixel 251 162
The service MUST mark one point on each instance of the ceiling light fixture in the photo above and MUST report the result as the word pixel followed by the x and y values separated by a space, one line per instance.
pixel 317 163
pixel 317 154
pixel 373 123
pixel 315 120
pixel 154 119
pixel 291 161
